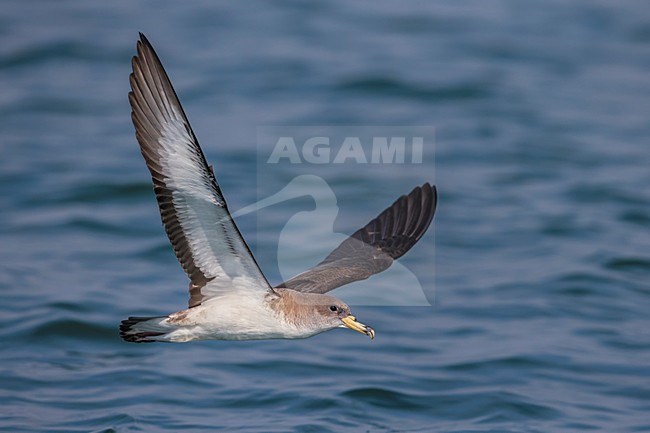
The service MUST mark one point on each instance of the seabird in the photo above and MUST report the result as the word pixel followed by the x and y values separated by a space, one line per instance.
pixel 230 298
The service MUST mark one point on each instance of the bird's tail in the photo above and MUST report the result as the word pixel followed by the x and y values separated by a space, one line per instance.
pixel 144 329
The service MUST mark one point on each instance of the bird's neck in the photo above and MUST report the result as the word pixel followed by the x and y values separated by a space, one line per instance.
pixel 293 306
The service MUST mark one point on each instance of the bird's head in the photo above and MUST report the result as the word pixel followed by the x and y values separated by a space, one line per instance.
pixel 318 312
pixel 336 314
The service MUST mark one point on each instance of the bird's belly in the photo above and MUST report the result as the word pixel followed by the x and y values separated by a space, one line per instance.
pixel 235 319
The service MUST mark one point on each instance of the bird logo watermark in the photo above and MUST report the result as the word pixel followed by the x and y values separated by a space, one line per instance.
pixel 316 169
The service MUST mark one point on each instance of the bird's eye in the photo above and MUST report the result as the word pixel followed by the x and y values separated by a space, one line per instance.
pixel 334 308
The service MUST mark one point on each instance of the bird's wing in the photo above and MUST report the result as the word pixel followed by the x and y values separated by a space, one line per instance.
pixel 204 236
pixel 373 248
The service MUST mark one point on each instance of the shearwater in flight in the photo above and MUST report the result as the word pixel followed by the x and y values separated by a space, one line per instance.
pixel 230 298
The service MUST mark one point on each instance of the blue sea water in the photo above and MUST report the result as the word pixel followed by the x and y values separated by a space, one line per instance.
pixel 537 265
